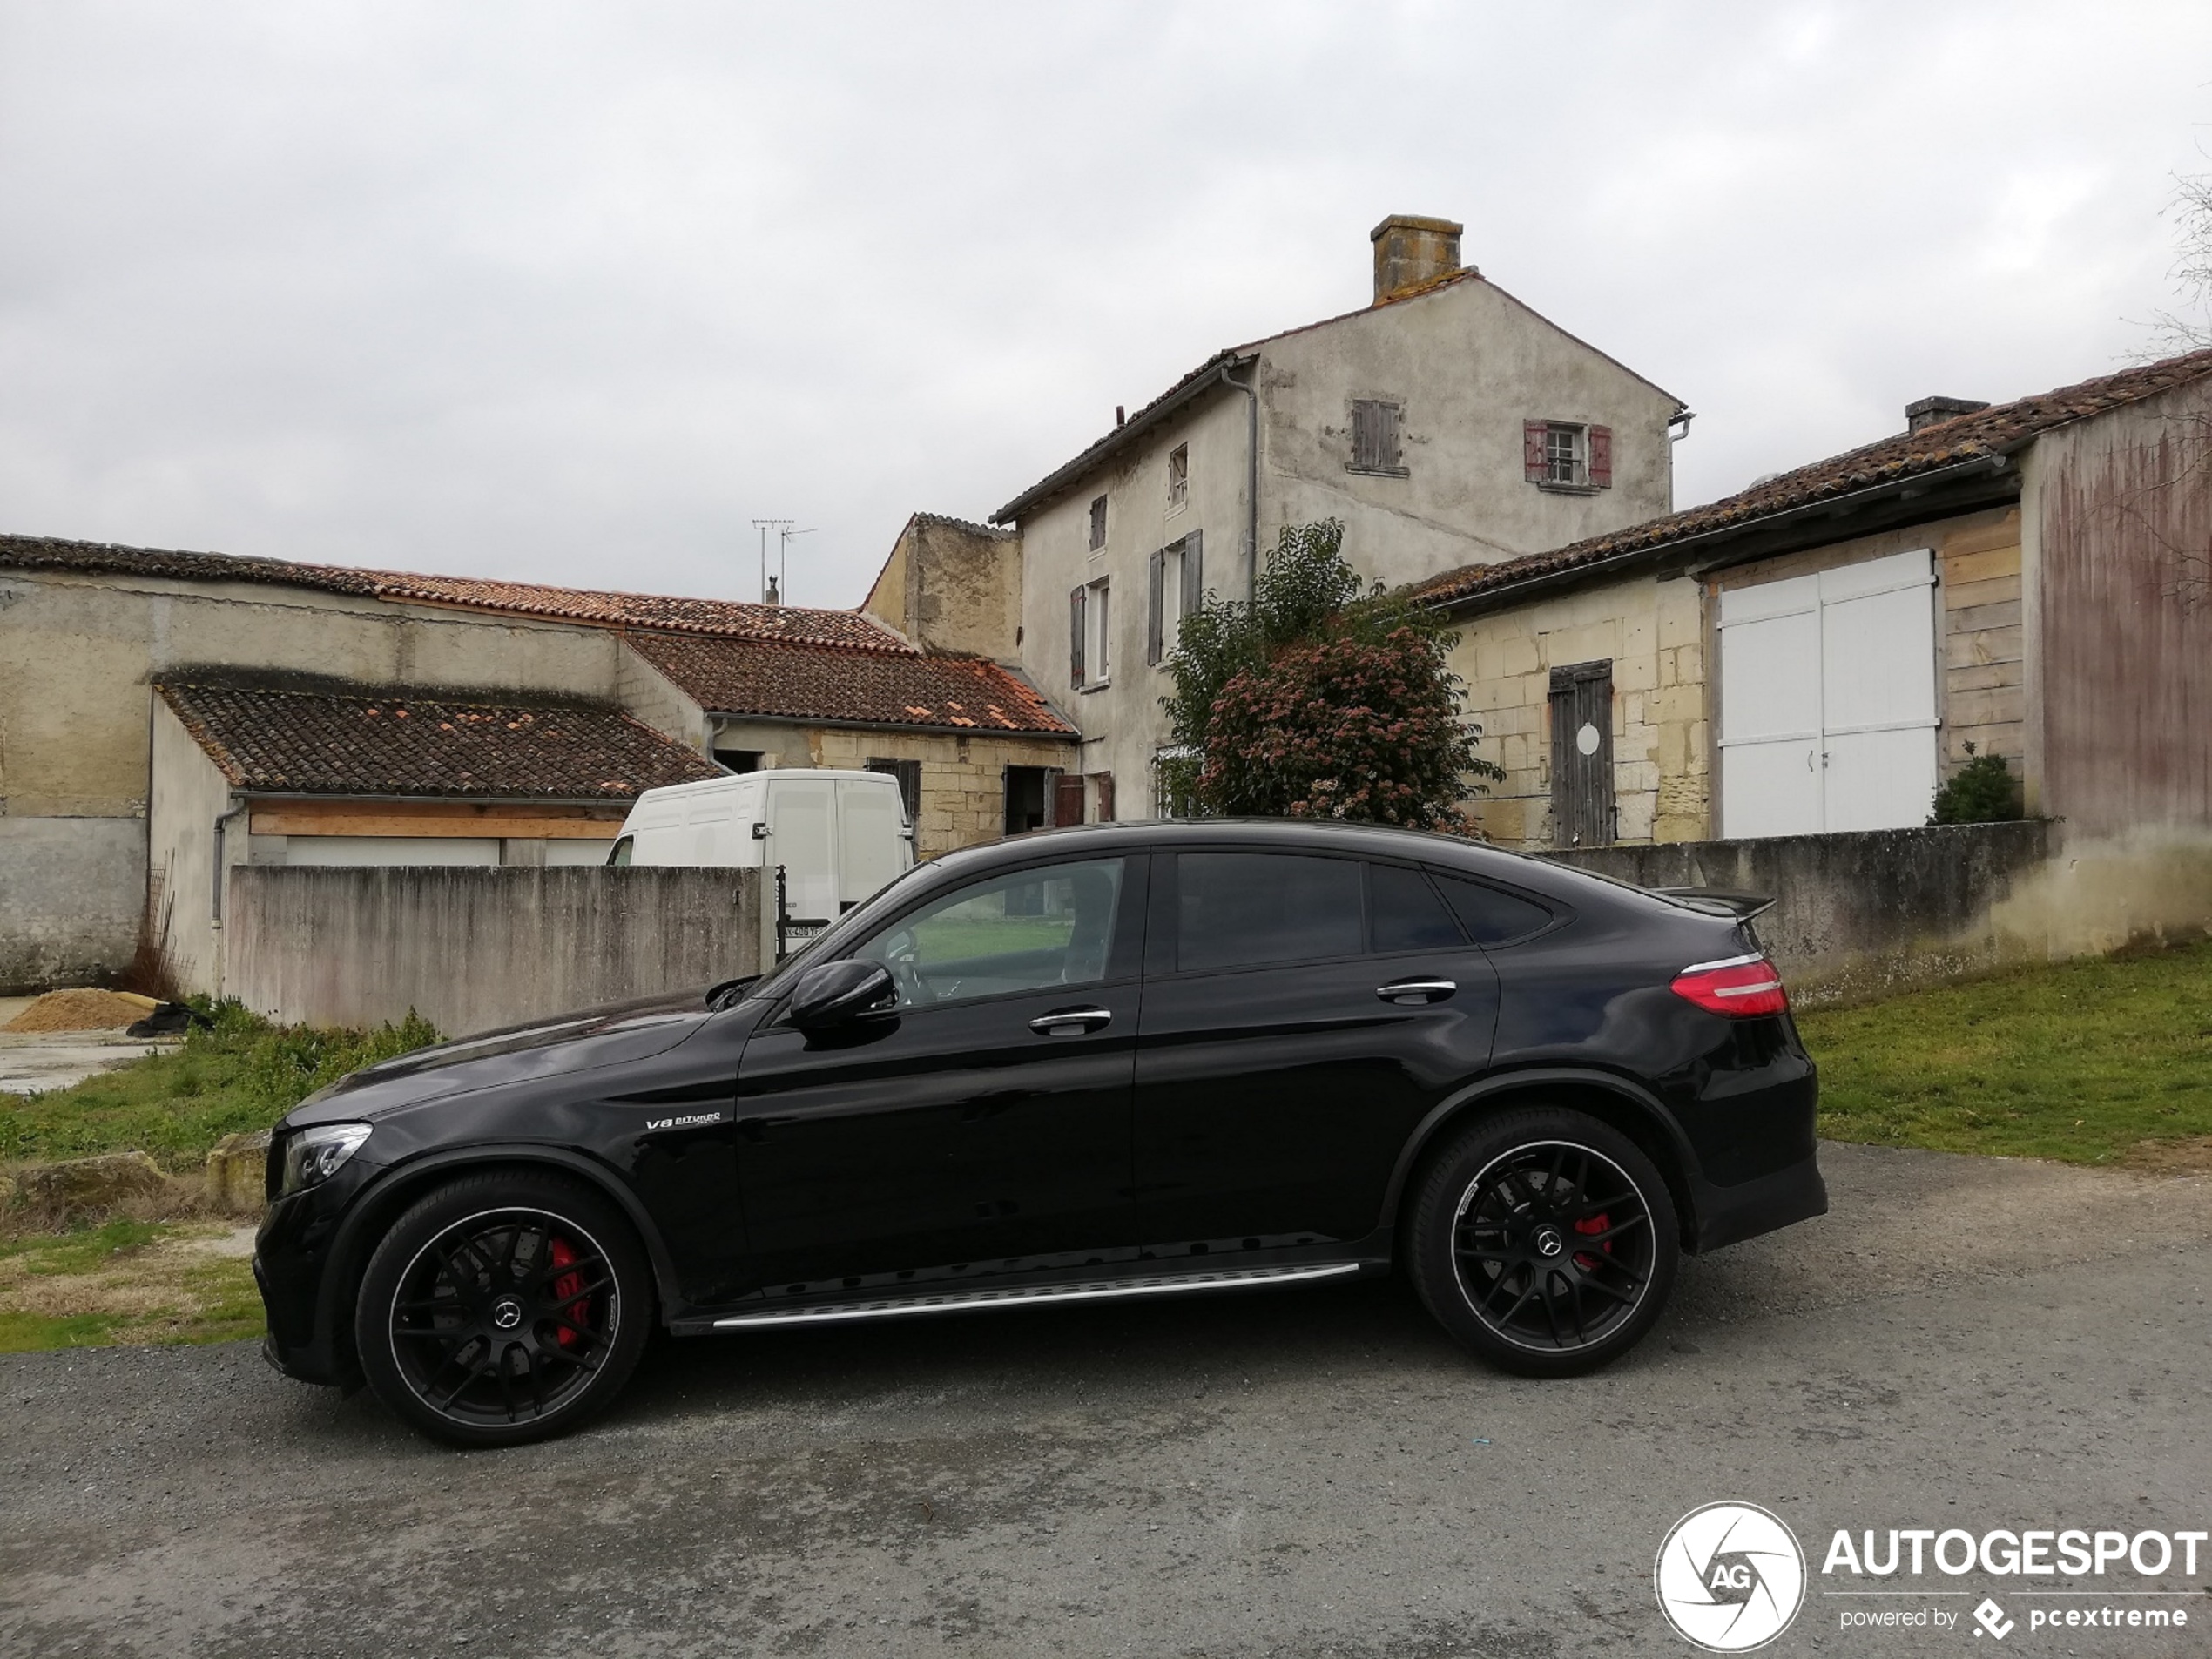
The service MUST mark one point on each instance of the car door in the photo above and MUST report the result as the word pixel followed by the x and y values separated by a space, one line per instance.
pixel 982 1128
pixel 1302 1012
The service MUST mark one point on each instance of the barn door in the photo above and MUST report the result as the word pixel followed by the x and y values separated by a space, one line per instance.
pixel 1828 700
pixel 1582 699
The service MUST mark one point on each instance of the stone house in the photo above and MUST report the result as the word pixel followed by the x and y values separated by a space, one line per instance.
pixel 1819 651
pixel 1446 424
pixel 88 632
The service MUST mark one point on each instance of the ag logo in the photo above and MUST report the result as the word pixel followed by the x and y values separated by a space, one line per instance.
pixel 1729 1577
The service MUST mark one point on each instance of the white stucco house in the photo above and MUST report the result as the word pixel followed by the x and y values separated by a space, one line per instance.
pixel 1446 424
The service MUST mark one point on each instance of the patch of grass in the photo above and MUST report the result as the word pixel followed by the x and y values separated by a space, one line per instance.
pixel 242 1072
pixel 126 1282
pixel 2085 1061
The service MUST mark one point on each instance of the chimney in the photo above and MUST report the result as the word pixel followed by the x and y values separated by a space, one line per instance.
pixel 1411 251
pixel 773 597
pixel 1930 410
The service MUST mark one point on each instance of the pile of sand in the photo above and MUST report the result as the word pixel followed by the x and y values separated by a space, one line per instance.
pixel 82 1011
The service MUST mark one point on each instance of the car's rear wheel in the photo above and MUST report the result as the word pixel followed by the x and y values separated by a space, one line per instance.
pixel 1545 1241
pixel 503 1307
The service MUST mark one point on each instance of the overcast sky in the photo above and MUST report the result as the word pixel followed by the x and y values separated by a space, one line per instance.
pixel 573 293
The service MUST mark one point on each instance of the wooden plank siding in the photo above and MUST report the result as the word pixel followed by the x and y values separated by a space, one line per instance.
pixel 1985 689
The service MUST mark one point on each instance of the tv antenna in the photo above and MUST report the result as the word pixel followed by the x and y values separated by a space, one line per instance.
pixel 764 525
pixel 783 534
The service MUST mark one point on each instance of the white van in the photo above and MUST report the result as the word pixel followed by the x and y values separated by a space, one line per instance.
pixel 838 837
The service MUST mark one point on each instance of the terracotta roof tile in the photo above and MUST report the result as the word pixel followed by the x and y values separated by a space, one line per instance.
pixel 818 683
pixel 404 743
pixel 731 617
pixel 1995 431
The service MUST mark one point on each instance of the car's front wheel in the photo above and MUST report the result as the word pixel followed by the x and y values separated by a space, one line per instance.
pixel 503 1307
pixel 1545 1241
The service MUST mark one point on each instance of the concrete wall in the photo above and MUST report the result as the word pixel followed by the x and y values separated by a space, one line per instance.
pixel 189 795
pixel 1861 915
pixel 2120 650
pixel 474 949
pixel 72 893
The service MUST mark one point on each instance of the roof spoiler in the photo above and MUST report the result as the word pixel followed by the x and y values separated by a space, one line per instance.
pixel 1718 901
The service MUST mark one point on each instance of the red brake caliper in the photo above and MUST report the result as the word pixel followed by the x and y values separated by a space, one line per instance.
pixel 570 1284
pixel 1589 1227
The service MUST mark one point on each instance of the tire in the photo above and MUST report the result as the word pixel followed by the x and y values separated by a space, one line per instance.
pixel 503 1307
pixel 1545 1241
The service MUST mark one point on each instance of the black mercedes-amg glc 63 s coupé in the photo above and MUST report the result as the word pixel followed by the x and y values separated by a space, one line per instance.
pixel 1156 1059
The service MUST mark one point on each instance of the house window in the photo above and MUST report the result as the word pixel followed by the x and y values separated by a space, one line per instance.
pixel 1564 455
pixel 1098 523
pixel 1178 478
pixel 1090 635
pixel 909 773
pixel 1177 582
pixel 738 759
pixel 1375 438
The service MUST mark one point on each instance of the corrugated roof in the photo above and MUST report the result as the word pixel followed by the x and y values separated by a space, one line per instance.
pixel 730 617
pixel 821 683
pixel 1985 434
pixel 404 741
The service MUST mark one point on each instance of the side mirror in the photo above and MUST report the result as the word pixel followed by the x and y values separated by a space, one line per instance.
pixel 836 993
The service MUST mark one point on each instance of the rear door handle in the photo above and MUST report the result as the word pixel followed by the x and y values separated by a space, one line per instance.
pixel 1071 1022
pixel 1414 993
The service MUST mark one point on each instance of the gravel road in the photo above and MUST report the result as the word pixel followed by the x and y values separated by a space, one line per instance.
pixel 1969 1342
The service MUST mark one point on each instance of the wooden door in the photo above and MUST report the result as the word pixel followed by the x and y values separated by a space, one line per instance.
pixel 1582 702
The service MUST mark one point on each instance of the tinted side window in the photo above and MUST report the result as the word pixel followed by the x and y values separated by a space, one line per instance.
pixel 1025 931
pixel 1406 913
pixel 1489 916
pixel 1242 909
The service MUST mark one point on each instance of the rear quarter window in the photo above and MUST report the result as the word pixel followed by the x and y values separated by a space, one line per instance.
pixel 1491 916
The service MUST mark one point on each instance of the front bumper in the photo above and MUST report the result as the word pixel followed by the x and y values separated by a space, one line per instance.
pixel 294 1255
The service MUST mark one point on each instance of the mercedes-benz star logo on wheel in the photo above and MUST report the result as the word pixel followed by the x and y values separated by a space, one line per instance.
pixel 1729 1577
pixel 507 1314
pixel 1549 1242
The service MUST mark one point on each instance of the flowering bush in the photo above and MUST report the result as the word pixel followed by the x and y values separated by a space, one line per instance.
pixel 1316 702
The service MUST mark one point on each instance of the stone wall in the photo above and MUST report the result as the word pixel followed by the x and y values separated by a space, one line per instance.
pixel 1865 914
pixel 1653 632
pixel 474 949
pixel 963 779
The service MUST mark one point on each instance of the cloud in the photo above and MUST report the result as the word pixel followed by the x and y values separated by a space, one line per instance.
pixel 574 294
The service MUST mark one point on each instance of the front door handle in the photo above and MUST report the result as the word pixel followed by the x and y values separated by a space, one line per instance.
pixel 1414 993
pixel 1071 1022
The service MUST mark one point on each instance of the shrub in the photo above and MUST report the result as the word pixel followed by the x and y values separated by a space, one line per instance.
pixel 1983 791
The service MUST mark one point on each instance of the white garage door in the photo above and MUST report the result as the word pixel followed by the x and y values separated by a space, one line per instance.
pixel 1828 700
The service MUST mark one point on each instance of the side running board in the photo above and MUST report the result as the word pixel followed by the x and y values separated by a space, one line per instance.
pixel 1031 1295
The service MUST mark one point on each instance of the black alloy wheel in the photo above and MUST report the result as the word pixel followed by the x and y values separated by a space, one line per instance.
pixel 1545 1241
pixel 503 1308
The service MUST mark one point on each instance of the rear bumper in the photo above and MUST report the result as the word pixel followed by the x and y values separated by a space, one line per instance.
pixel 1729 1215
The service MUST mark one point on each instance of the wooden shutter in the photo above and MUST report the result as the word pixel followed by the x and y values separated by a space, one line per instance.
pixel 1583 807
pixel 1076 637
pixel 1067 798
pixel 1194 580
pixel 1155 597
pixel 1387 437
pixel 1601 457
pixel 1533 462
pixel 1104 781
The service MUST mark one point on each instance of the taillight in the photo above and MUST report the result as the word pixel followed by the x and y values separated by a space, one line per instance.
pixel 1739 987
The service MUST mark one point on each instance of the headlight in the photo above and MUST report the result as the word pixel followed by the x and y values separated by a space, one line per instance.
pixel 313 1156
